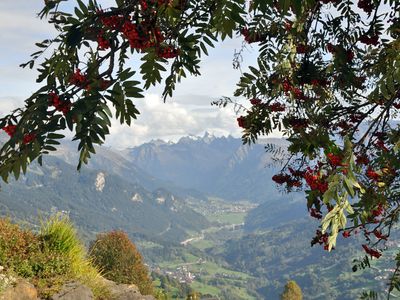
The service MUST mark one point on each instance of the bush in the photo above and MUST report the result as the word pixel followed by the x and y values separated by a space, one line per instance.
pixel 16 244
pixel 58 235
pixel 120 261
pixel 292 291
pixel 48 259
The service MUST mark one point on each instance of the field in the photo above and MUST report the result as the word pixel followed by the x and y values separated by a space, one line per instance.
pixel 202 273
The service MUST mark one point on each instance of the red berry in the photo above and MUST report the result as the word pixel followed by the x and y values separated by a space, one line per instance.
pixel 315 214
pixel 61 105
pixel 281 178
pixel 78 78
pixel 103 43
pixel 372 174
pixel 10 129
pixel 277 107
pixel 168 52
pixel 335 160
pixel 371 252
pixel 251 37
pixel 346 234
pixel 331 48
pixel 241 121
pixel 301 49
pixel 349 55
pixel 366 5
pixel 29 137
pixel 255 101
pixel 288 25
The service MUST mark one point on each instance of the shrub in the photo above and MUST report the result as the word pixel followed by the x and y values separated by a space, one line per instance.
pixel 59 236
pixel 292 291
pixel 120 261
pixel 16 244
pixel 48 259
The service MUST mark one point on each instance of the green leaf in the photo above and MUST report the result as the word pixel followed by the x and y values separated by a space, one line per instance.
pixel 16 168
pixel 78 13
pixel 49 148
pixel 83 7
pixel 348 184
pixel 74 36
pixel 53 135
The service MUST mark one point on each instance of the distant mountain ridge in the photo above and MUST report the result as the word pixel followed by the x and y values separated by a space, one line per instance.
pixel 216 166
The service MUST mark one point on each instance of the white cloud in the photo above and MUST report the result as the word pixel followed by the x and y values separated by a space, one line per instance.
pixel 170 121
pixel 7 104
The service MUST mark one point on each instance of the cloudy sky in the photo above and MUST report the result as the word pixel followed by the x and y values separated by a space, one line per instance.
pixel 188 112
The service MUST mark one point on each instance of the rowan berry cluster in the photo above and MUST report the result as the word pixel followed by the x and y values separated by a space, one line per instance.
pixel 301 49
pixel 297 123
pixel 255 101
pixel 335 160
pixel 320 82
pixel 241 121
pixel 10 129
pixel 277 107
pixel 366 5
pixel 316 181
pixel 141 35
pixel 167 52
pixel 371 252
pixel 60 105
pixel 315 213
pixel 78 79
pixel 371 174
pixel 103 42
pixel 321 239
pixel 291 180
pixel 369 39
pixel 251 36
pixel 28 138
pixel 297 92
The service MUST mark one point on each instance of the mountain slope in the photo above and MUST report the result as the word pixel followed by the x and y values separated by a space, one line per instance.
pixel 99 200
pixel 116 162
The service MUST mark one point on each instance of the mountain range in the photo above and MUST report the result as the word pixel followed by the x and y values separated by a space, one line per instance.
pixel 222 167
pixel 142 190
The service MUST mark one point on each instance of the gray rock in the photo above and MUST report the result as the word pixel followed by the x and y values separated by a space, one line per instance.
pixel 74 291
pixel 22 290
pixel 125 291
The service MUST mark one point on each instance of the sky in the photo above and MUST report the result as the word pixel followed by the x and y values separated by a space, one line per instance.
pixel 188 112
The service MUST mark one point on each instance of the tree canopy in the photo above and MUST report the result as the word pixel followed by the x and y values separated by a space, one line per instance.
pixel 327 76
pixel 120 260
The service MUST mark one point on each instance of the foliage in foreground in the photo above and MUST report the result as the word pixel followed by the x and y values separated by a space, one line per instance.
pixel 120 261
pixel 48 259
pixel 327 76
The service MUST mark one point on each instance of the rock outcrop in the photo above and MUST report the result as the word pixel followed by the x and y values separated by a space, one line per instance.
pixel 126 291
pixel 23 290
pixel 74 291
